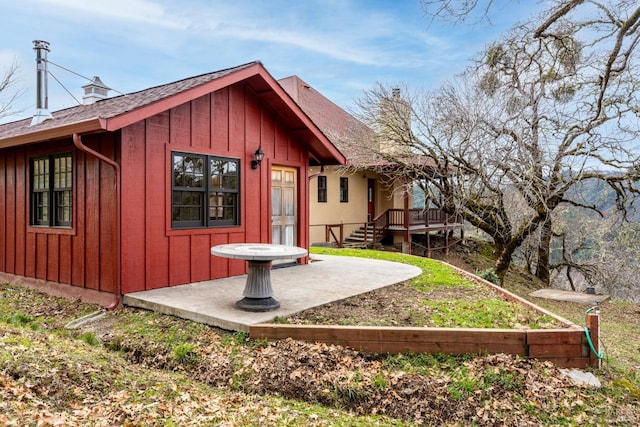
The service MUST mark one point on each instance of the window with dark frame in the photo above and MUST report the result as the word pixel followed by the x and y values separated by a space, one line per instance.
pixel 322 189
pixel 344 190
pixel 51 184
pixel 204 191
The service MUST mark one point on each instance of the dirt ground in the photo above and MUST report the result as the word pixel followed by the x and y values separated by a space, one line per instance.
pixel 403 305
pixel 399 305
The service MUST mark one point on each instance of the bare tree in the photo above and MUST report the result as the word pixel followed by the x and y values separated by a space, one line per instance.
pixel 459 11
pixel 603 254
pixel 8 95
pixel 552 104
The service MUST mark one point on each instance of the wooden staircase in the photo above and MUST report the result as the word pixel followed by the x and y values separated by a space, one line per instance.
pixel 399 222
pixel 362 237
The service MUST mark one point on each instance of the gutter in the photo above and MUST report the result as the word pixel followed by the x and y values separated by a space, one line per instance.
pixel 80 146
pixel 23 134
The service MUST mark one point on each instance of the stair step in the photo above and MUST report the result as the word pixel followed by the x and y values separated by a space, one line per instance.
pixel 358 239
pixel 360 233
pixel 355 244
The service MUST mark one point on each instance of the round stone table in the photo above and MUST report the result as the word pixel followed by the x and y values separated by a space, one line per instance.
pixel 258 293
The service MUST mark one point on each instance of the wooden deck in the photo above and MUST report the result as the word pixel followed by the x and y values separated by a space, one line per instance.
pixel 411 222
pixel 421 228
pixel 420 220
pixel 406 222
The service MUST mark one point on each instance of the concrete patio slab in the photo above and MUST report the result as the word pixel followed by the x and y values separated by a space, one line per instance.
pixel 326 279
pixel 570 296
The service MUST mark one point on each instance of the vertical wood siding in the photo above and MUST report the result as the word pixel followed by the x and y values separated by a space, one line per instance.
pixel 3 209
pixel 78 241
pixel 107 216
pixel 83 256
pixel 232 122
pixel 21 216
pixel 157 242
pixel 134 227
pixel 10 210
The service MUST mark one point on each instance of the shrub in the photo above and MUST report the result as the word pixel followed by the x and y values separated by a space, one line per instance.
pixel 489 275
pixel 185 353
pixel 90 338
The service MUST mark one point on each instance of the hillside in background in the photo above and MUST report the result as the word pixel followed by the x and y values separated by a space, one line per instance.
pixel 605 245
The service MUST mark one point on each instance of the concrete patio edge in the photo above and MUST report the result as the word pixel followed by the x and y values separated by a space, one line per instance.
pixel 326 279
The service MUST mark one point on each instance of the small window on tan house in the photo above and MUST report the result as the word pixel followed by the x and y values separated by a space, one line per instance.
pixel 322 189
pixel 344 190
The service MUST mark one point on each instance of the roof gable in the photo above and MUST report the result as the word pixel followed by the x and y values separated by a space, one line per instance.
pixel 115 113
pixel 352 137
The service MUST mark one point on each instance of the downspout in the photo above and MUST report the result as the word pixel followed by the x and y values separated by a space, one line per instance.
pixel 316 174
pixel 80 146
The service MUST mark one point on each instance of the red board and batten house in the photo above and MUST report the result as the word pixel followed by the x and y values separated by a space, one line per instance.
pixel 129 193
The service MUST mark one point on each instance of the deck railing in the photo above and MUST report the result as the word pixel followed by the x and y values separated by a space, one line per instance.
pixel 379 226
pixel 424 217
pixel 330 232
pixel 335 233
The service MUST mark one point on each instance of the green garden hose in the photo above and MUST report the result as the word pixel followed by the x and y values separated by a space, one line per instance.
pixel 598 354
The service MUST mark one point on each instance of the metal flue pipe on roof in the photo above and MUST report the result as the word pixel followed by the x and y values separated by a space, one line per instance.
pixel 42 96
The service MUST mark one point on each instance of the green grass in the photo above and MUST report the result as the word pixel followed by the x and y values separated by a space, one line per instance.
pixel 451 311
pixel 423 363
pixel 483 313
pixel 90 338
pixel 435 275
pixel 503 379
pixel 19 319
pixel 185 353
pixel 463 386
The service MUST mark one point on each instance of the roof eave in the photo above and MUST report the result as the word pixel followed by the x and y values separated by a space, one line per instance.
pixel 91 125
pixel 320 146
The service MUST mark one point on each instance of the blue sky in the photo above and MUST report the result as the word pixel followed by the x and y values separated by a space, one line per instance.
pixel 340 47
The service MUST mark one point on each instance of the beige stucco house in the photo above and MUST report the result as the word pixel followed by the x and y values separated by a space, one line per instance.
pixel 347 203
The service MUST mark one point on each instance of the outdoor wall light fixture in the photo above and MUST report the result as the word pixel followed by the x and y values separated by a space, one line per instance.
pixel 257 158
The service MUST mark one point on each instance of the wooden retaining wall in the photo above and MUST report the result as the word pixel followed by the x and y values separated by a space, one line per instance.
pixel 566 347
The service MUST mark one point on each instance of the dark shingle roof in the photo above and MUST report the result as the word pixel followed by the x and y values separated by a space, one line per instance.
pixel 113 107
pixel 352 137
pixel 118 112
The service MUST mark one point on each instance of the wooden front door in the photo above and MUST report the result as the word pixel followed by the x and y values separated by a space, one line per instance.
pixel 284 215
pixel 371 199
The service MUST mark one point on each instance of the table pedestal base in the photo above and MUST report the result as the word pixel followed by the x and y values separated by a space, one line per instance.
pixel 258 293
pixel 258 304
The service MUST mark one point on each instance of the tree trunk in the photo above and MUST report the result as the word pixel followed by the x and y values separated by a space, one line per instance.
pixel 544 250
pixel 503 260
